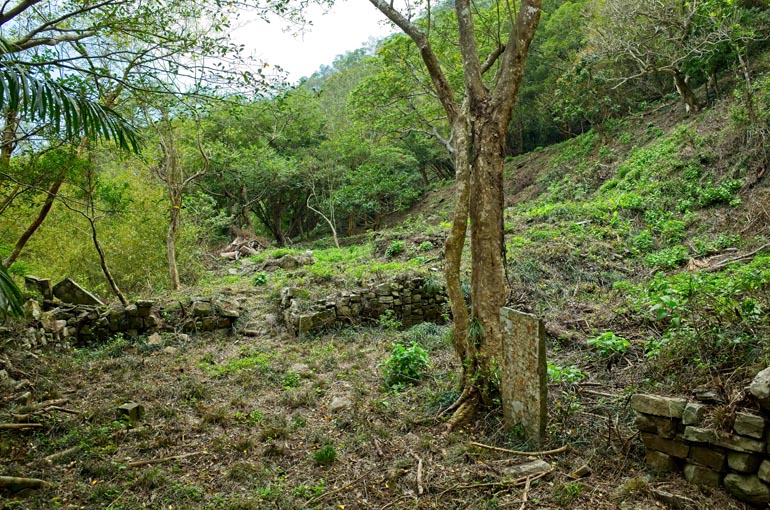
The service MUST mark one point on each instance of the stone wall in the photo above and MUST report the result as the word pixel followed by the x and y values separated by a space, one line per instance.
pixel 413 299
pixel 62 324
pixel 735 456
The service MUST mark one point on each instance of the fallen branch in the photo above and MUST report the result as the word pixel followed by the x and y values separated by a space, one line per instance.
pixel 517 452
pixel 20 426
pixel 163 460
pixel 60 455
pixel 22 483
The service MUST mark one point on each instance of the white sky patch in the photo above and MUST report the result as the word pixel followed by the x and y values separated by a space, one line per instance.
pixel 347 26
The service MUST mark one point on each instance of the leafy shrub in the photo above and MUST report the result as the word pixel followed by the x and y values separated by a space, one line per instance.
pixel 406 365
pixel 395 249
pixel 644 241
pixel 426 246
pixel 389 321
pixel 564 375
pixel 668 258
pixel 325 456
pixel 672 231
pixel 609 344
pixel 260 278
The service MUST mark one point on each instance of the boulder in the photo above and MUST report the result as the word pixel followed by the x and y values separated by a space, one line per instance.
pixel 747 488
pixel 760 388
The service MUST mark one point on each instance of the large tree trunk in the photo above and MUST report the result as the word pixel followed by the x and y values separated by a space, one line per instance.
pixel 487 267
pixel 41 216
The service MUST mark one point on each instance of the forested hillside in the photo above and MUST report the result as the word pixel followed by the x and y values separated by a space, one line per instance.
pixel 296 278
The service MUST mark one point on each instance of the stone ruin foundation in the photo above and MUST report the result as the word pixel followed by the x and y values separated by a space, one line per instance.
pixel 677 437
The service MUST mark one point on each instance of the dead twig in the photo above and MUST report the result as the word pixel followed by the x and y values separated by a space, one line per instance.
pixel 741 258
pixel 525 493
pixel 517 452
pixel 163 460
pixel 61 410
pixel 392 503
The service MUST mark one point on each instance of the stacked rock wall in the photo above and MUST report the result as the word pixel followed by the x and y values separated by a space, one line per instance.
pixel 62 324
pixel 676 438
pixel 412 300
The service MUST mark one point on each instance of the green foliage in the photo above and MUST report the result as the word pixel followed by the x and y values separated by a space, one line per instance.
pixel 11 299
pixel 388 321
pixel 310 491
pixel 40 98
pixel 255 417
pixel 325 456
pixel 609 344
pixel 406 365
pixel 395 249
pixel 425 246
pixel 668 258
pixel 249 360
pixel 710 321
pixel 564 375
pixel 260 278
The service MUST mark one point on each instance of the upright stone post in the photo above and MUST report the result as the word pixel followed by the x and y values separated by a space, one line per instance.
pixel 523 374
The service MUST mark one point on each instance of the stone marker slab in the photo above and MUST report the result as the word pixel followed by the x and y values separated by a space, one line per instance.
pixel 523 373
pixel 70 292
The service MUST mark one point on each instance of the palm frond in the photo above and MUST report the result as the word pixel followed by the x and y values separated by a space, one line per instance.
pixel 11 299
pixel 70 114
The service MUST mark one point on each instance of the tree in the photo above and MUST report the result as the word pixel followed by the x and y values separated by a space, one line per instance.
pixel 636 39
pixel 176 172
pixel 479 121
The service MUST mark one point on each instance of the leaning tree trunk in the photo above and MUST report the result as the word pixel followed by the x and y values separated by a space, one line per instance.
pixel 689 98
pixel 103 263
pixel 41 216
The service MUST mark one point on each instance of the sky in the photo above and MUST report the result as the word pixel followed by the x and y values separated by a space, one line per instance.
pixel 347 26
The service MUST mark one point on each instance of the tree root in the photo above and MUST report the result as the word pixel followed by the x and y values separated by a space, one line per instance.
pixel 464 412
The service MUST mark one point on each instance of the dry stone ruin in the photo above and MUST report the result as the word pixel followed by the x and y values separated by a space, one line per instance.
pixel 66 314
pixel 678 436
pixel 411 300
